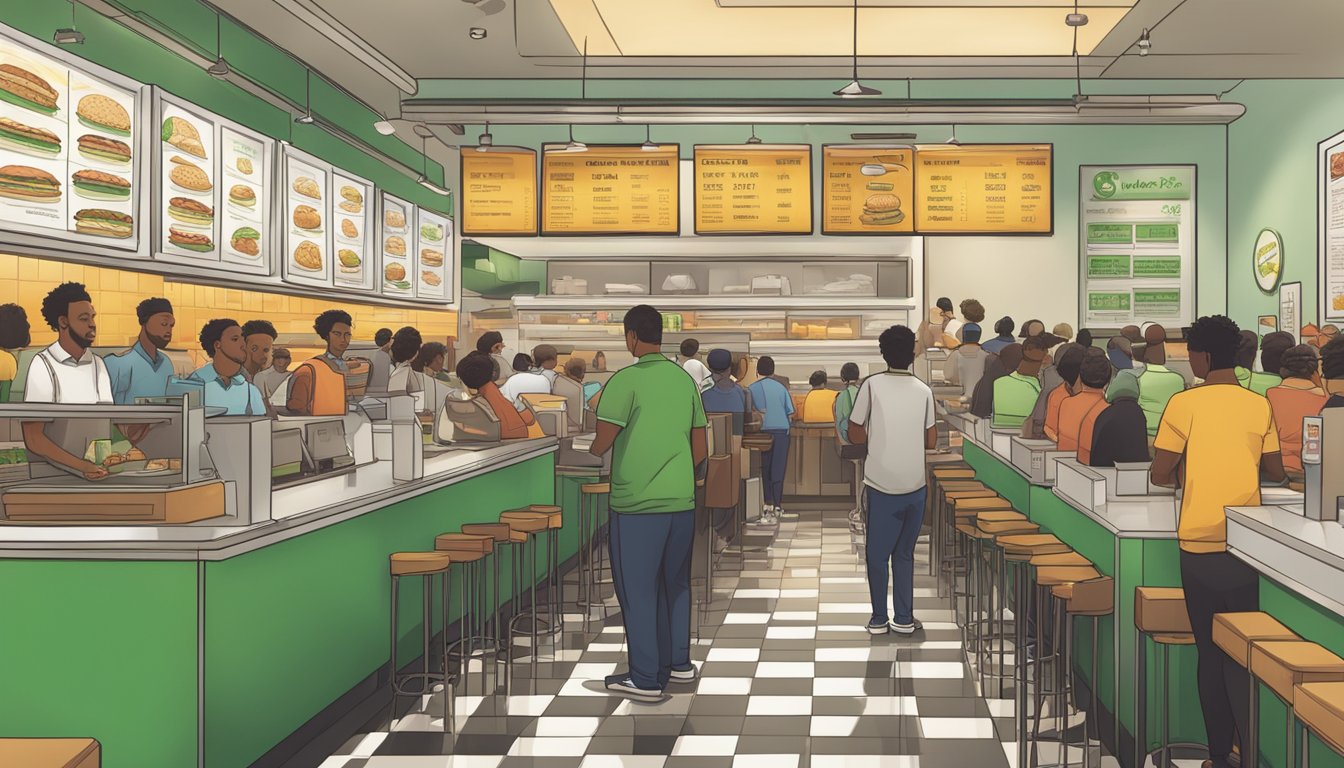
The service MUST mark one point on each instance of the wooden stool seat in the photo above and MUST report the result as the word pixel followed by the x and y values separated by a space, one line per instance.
pixel 973 532
pixel 1028 545
pixel 1236 632
pixel 1173 638
pixel 470 547
pixel 1008 527
pixel 555 517
pixel 1065 574
pixel 953 473
pixel 970 493
pixel 1161 610
pixel 962 485
pixel 50 753
pixel 1059 558
pixel 1092 597
pixel 983 504
pixel 1283 664
pixel 419 563
pixel 517 537
pixel 1000 516
pixel 527 522
pixel 498 531
pixel 590 488
pixel 1320 706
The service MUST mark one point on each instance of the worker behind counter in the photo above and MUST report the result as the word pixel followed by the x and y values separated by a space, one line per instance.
pixel 222 378
pixel 144 370
pixel 317 387
pixel 819 405
pixel 274 377
pixel 1015 394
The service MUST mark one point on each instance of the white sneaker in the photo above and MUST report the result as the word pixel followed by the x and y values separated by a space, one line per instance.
pixel 685 675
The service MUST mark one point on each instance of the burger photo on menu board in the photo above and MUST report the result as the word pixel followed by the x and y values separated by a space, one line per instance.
pixel 308 256
pixel 22 182
pixel 96 185
pixel 395 246
pixel 103 149
pixel 306 217
pixel 28 139
pixel 394 219
pixel 191 212
pixel 431 258
pixel 882 210
pixel 191 241
pixel 308 187
pixel 349 261
pixel 24 89
pixel 243 195
pixel 349 230
pixel 103 223
pixel 246 241
pixel 394 275
pixel 101 113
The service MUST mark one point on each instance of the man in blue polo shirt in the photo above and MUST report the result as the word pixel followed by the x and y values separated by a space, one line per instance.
pixel 225 385
pixel 651 418
pixel 772 399
pixel 144 370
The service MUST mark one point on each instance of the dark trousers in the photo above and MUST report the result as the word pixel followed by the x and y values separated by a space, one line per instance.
pixel 1217 582
pixel 651 569
pixel 893 530
pixel 773 464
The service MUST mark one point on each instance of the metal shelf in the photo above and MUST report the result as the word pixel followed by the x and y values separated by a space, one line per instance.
pixel 848 304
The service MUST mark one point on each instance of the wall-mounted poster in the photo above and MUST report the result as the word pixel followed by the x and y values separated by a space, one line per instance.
pixel 1330 228
pixel 70 132
pixel 1137 245
pixel 307 248
pixel 351 214
pixel 984 189
pixel 434 262
pixel 499 191
pixel 753 189
pixel 398 238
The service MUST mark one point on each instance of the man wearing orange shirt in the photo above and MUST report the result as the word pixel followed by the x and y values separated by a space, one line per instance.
pixel 1297 397
pixel 1093 376
pixel 477 371
pixel 1070 363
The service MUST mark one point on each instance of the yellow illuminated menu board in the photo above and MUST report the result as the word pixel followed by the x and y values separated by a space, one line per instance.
pixel 610 191
pixel 985 188
pixel 753 189
pixel 867 190
pixel 499 191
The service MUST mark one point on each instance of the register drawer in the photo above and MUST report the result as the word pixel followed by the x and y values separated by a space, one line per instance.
pixel 113 506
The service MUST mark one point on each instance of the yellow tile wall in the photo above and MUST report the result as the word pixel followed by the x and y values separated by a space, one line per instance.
pixel 25 281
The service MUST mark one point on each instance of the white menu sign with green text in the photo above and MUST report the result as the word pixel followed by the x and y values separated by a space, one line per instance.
pixel 1137 245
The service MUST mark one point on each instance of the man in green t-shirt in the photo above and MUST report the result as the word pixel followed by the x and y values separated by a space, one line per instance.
pixel 1158 384
pixel 651 417
pixel 1015 394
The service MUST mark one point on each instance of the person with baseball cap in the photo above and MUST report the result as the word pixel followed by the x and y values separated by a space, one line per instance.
pixel 725 395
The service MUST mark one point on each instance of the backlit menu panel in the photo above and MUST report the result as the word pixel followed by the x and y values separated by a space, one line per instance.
pixel 753 189
pixel 606 190
pixel 499 191
pixel 985 188
pixel 867 190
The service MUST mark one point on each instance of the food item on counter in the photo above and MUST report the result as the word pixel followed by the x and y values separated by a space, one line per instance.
pixel 394 218
pixel 244 166
pixel 431 258
pixel 96 147
pixel 157 465
pixel 308 187
pixel 395 246
pixel 113 459
pixel 183 135
pixel 349 229
pixel 241 194
pixel 175 464
pixel 882 210
pixel 28 139
pixel 430 278
pixel 352 195
pixel 103 223
pixel 191 212
pixel 23 182
pixel 246 241
pixel 880 186
pixel 102 113
pixel 191 241
pixel 190 177
pixel 394 272
pixel 307 217
pixel 431 232
pixel 349 260
pixel 308 256
pixel 96 185
pixel 135 454
pixel 22 88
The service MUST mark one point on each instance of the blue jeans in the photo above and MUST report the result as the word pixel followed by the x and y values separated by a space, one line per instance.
pixel 773 464
pixel 651 570
pixel 893 529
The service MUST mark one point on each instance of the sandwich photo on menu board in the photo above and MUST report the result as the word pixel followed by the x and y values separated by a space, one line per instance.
pixel 350 206
pixel 65 149
pixel 397 239
pixel 306 242
pixel 190 219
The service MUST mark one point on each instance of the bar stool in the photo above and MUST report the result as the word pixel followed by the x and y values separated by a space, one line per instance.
pixel 1048 577
pixel 1283 664
pixel 999 524
pixel 934 511
pixel 470 551
pixel 534 525
pixel 1159 615
pixel 965 504
pixel 426 565
pixel 1235 633
pixel 590 550
pixel 555 521
pixel 1091 598
pixel 1320 709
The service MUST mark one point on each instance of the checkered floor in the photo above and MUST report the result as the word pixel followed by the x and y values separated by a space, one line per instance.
pixel 790 679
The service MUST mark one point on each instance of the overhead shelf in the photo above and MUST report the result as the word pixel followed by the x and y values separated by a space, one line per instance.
pixel 848 304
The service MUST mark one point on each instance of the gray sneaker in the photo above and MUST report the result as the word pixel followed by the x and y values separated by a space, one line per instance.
pixel 689 675
pixel 877 627
pixel 622 685
pixel 907 629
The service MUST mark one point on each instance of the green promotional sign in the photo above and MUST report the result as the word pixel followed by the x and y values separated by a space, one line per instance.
pixel 1110 234
pixel 1157 233
pixel 1108 302
pixel 1157 303
pixel 1157 266
pixel 1107 267
pixel 1143 184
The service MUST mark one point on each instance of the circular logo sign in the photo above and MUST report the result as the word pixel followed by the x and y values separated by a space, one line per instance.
pixel 1103 184
pixel 1267 260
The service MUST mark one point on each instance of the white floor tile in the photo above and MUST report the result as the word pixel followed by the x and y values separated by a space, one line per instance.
pixel 724 686
pixel 956 727
pixel 779 705
pixel 797 669
pixel 803 573
pixel 890 706
pixel 705 746
pixel 834 725
pixel 865 761
pixel 865 608
pixel 791 633
pixel 809 616
pixel 607 648
pixel 838 686
pixel 593 671
pixel 930 670
pixel 529 706
pixel 369 744
pixel 549 747
pixel 674 705
pixel 1000 707
pixel 734 654
pixel 747 618
pixel 756 594
pixel 579 687
pixel 850 654
pixel 797 593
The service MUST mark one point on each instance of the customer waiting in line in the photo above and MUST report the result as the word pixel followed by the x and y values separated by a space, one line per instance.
pixel 1298 397
pixel 492 343
pixel 1120 433
pixel 1031 328
pixel 380 361
pixel 893 415
pixel 1003 336
pixel 1214 442
pixel 569 385
pixel 692 365
pixel 650 417
pixel 997 367
pixel 545 360
pixel 1247 344
pixel 1272 347
pixel 772 400
pixel 819 405
pixel 524 381
pixel 941 327
pixel 1015 394
pixel 1158 384
pixel 1332 372
pixel 973 312
pixel 1070 364
pixel 1050 378
pixel 222 380
pixel 1078 414
pixel 844 407
pixel 476 371
pixel 966 364
pixel 1121 353
pixel 726 395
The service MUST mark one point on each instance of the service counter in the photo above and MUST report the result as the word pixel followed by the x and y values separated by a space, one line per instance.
pixel 1129 532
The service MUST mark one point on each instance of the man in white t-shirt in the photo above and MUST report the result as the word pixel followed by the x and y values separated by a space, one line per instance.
pixel 893 414
pixel 697 370
pixel 67 372
pixel 524 381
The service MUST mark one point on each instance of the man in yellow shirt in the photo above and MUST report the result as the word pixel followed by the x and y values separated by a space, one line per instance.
pixel 1221 437
pixel 819 406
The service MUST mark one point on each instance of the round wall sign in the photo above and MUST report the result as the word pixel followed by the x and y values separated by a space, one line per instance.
pixel 1267 260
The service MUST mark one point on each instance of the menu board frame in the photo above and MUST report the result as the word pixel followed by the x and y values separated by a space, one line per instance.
pixel 30 239
pixel 1329 191
pixel 366 236
pixel 811 202
pixel 291 239
pixel 474 152
pixel 220 259
pixel 986 233
pixel 410 237
pixel 1188 281
pixel 444 291
pixel 909 203
pixel 541 194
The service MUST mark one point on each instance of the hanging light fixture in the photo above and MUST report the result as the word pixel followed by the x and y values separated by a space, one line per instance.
pixel 424 181
pixel 754 138
pixel 68 35
pixel 572 145
pixel 485 141
pixel 953 138
pixel 856 88
pixel 648 145
pixel 1145 45
pixel 220 68
pixel 307 117
pixel 385 126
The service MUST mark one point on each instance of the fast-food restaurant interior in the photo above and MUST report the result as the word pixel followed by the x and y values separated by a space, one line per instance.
pixel 695 383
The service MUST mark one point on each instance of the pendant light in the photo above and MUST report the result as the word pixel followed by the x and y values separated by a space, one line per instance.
pixel 572 145
pixel 307 117
pixel 69 35
pixel 648 145
pixel 855 88
pixel 220 69
pixel 424 133
pixel 754 138
pixel 384 125
pixel 485 141
pixel 952 140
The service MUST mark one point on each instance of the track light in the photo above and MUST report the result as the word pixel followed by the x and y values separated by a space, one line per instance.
pixel 69 35
pixel 952 140
pixel 855 88
pixel 574 145
pixel 485 141
pixel 648 145
pixel 1145 45
pixel 754 138
pixel 307 117
pixel 423 180
pixel 220 68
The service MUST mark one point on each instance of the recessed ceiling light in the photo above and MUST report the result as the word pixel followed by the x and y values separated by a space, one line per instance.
pixel 477 33
pixel 385 127
pixel 1076 20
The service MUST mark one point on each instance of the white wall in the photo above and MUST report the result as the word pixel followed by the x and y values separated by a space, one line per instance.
pixel 1022 277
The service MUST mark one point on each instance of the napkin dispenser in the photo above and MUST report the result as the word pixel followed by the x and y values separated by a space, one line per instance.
pixel 1001 442
pixel 1081 485
pixel 1036 459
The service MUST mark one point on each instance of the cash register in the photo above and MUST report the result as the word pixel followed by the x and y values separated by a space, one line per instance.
pixel 1322 447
